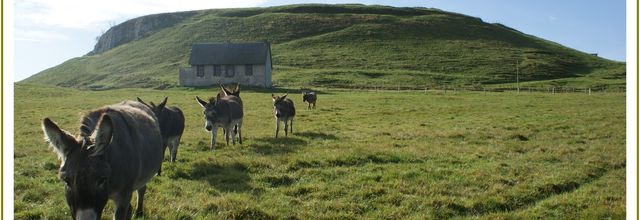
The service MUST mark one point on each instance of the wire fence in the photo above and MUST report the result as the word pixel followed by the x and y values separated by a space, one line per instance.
pixel 456 89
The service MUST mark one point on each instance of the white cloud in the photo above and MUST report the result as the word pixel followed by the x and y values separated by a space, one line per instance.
pixel 551 18
pixel 45 20
pixel 95 15
pixel 39 36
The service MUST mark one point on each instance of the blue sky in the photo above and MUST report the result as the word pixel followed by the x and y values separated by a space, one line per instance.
pixel 47 32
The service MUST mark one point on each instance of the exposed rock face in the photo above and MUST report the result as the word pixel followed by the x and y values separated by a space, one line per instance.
pixel 137 28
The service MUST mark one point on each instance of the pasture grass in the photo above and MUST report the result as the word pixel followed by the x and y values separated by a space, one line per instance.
pixel 360 155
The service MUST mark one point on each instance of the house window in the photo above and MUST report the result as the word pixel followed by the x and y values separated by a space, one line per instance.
pixel 248 70
pixel 229 70
pixel 217 70
pixel 200 71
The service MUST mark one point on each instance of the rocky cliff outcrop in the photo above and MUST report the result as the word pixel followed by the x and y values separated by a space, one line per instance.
pixel 137 28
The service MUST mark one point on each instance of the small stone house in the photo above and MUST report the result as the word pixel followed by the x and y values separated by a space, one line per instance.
pixel 225 63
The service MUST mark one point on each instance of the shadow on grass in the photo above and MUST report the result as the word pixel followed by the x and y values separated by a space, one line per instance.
pixel 281 145
pixel 317 135
pixel 205 146
pixel 334 109
pixel 229 178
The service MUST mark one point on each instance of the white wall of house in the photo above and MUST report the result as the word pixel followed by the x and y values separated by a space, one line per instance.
pixel 267 72
pixel 189 76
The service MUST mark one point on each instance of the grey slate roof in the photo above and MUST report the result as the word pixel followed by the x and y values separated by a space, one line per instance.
pixel 229 53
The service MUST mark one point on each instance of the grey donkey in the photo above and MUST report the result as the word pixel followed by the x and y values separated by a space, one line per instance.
pixel 225 112
pixel 310 98
pixel 118 151
pixel 284 110
pixel 171 122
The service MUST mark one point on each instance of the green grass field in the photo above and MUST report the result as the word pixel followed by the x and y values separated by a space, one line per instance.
pixel 360 155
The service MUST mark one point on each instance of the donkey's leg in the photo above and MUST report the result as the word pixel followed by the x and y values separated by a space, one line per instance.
pixel 226 136
pixel 160 169
pixel 286 128
pixel 172 156
pixel 277 126
pixel 291 126
pixel 229 134
pixel 140 203
pixel 240 132
pixel 164 148
pixel 235 128
pixel 175 141
pixel 214 132
pixel 232 134
pixel 165 144
pixel 123 206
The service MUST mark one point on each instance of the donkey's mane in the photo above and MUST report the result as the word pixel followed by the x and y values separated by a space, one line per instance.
pixel 212 100
pixel 89 121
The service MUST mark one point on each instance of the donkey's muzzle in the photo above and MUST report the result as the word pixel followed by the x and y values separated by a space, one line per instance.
pixel 87 214
pixel 208 127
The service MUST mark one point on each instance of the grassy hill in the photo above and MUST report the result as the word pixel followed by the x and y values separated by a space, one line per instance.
pixel 335 45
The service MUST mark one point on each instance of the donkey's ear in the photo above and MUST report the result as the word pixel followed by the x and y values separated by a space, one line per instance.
pixel 224 90
pixel 237 91
pixel 273 97
pixel 201 102
pixel 284 96
pixel 140 101
pixel 103 135
pixel 163 103
pixel 61 141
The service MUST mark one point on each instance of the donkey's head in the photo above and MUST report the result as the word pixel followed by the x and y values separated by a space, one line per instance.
pixel 84 169
pixel 279 104
pixel 157 109
pixel 227 92
pixel 210 112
